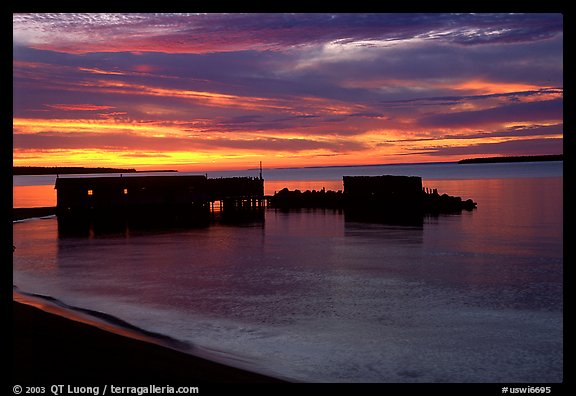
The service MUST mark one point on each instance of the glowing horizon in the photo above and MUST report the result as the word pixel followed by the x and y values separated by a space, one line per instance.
pixel 200 92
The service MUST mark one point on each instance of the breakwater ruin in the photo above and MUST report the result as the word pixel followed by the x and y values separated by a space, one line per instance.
pixel 385 198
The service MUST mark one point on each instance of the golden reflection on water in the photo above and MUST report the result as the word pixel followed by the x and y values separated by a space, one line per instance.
pixel 33 196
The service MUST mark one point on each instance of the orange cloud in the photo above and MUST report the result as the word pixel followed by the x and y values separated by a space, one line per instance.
pixel 474 86
pixel 79 107
pixel 485 87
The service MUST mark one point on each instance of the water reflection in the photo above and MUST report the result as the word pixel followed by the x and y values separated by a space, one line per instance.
pixel 318 296
pixel 514 216
pixel 123 223
pixel 35 243
pixel 34 196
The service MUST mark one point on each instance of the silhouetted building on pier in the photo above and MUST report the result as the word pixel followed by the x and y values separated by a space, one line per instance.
pixel 170 199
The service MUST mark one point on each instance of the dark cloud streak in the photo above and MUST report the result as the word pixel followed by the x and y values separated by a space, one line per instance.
pixel 510 147
pixel 520 112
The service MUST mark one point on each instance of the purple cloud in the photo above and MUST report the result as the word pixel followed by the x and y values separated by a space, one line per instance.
pixel 510 147
pixel 199 33
pixel 521 112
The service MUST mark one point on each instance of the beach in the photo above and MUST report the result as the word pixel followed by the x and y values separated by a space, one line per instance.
pixel 49 348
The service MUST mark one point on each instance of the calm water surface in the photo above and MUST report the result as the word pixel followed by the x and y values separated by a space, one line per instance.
pixel 309 296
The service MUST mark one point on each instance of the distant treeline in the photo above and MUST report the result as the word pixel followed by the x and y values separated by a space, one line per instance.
pixel 527 158
pixel 63 170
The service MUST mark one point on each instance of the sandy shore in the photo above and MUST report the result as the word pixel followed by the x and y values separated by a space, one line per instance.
pixel 54 349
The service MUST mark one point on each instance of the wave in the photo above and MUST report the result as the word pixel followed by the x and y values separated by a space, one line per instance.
pixel 115 325
pixel 98 319
pixel 33 218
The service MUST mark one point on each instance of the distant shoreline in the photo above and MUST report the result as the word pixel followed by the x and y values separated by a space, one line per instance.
pixel 528 158
pixel 54 170
pixel 64 170
pixel 68 170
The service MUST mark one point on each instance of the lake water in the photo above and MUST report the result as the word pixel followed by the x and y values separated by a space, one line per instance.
pixel 309 296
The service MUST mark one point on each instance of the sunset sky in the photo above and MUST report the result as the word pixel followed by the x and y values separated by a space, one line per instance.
pixel 225 91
